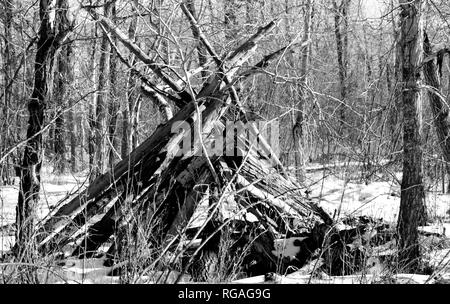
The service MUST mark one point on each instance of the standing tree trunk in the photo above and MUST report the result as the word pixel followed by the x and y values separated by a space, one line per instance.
pixel 113 107
pixel 412 208
pixel 91 110
pixel 131 99
pixel 440 109
pixel 72 117
pixel 341 33
pixel 50 37
pixel 298 130
pixel 5 131
pixel 61 81
pixel 102 97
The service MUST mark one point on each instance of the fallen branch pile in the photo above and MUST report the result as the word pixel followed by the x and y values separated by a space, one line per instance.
pixel 157 188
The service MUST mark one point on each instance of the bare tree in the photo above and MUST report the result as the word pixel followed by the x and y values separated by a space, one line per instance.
pixel 412 208
pixel 341 34
pixel 5 131
pixel 50 38
pixel 101 132
pixel 132 96
pixel 91 108
pixel 62 81
pixel 114 105
pixel 299 128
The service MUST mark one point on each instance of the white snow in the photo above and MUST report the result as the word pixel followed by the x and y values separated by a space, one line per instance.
pixel 379 199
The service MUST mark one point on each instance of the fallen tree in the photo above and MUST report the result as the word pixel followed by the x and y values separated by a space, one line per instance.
pixel 158 187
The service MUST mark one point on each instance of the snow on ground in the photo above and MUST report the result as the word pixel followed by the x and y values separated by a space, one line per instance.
pixel 53 190
pixel 379 199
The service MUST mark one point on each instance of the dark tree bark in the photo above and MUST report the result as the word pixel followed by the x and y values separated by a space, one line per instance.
pixel 412 208
pixel 61 96
pixel 50 37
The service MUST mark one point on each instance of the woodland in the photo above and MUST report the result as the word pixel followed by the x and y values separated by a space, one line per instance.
pixel 247 141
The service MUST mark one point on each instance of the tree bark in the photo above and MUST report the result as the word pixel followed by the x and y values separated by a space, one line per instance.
pixel 412 208
pixel 50 37
pixel 113 107
pixel 5 129
pixel 131 98
pixel 91 111
pixel 341 34
pixel 101 131
pixel 60 88
pixel 299 128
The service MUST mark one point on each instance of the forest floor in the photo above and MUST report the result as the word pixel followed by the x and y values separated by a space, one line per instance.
pixel 336 193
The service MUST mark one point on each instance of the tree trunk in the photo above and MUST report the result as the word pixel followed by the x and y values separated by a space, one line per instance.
pixel 50 36
pixel 127 113
pixel 60 88
pixel 341 34
pixel 113 107
pixel 299 128
pixel 5 129
pixel 131 98
pixel 412 208
pixel 438 105
pixel 101 132
pixel 91 109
